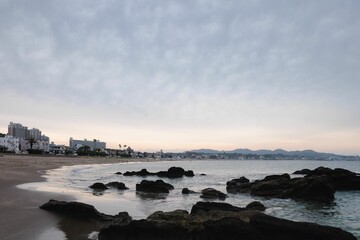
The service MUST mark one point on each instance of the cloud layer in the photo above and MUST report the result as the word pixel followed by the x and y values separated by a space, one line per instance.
pixel 230 73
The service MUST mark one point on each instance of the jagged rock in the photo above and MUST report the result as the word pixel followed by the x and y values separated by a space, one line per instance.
pixel 99 186
pixel 211 193
pixel 158 186
pixel 200 207
pixel 304 171
pixel 218 224
pixel 117 185
pixel 256 205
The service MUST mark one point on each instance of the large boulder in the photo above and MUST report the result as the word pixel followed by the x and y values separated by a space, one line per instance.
pixel 211 193
pixel 158 186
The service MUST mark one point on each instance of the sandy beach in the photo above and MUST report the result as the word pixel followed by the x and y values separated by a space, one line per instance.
pixel 20 216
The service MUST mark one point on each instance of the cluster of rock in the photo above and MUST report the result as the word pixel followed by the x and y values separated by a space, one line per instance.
pixel 173 172
pixel 318 185
pixel 98 186
pixel 207 220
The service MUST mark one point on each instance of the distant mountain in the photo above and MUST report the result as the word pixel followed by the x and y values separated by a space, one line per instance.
pixel 245 151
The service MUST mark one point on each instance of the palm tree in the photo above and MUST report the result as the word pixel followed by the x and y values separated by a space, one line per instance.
pixel 32 141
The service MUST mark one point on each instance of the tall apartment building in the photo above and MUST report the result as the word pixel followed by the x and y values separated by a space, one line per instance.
pixel 35 134
pixel 18 130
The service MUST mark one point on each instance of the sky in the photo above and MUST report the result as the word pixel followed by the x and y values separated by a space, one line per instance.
pixel 182 75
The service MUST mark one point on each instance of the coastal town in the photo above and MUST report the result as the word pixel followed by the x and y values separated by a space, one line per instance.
pixel 21 139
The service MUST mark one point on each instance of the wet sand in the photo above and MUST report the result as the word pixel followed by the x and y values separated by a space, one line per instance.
pixel 20 216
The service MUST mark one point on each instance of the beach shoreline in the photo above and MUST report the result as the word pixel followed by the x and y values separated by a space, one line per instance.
pixel 20 214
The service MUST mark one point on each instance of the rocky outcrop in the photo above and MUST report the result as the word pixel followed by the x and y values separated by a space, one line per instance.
pixel 219 224
pixel 211 193
pixel 316 188
pixel 99 186
pixel 83 211
pixel 341 179
pixel 158 186
pixel 117 185
pixel 173 172
pixel 187 191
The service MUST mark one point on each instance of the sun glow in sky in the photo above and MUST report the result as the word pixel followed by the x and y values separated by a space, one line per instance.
pixel 181 75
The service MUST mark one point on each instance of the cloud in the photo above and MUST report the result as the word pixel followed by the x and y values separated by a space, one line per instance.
pixel 178 64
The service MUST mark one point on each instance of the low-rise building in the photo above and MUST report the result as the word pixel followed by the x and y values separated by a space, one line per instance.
pixel 94 144
pixel 10 144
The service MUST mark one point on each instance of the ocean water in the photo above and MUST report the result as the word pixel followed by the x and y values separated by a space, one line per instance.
pixel 344 212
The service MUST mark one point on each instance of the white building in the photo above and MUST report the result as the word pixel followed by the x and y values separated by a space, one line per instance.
pixel 10 143
pixel 38 144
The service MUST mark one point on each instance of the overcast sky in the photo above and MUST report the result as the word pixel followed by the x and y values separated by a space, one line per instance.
pixel 181 75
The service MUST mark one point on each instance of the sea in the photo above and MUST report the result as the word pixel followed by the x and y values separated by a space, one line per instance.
pixel 344 212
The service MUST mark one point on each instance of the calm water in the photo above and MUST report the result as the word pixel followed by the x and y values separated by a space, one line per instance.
pixel 75 180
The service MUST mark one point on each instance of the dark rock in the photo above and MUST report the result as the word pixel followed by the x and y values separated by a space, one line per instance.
pixel 241 184
pixel 277 177
pixel 99 186
pixel 118 173
pixel 218 224
pixel 141 173
pixel 75 210
pixel 341 179
pixel 173 172
pixel 202 174
pixel 144 230
pixel 315 188
pixel 187 191
pixel 304 171
pixel 256 206
pixel 214 206
pixel 117 185
pixel 211 193
pixel 158 186
pixel 281 229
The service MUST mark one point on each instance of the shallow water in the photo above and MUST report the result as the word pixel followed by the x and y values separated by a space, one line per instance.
pixel 75 180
